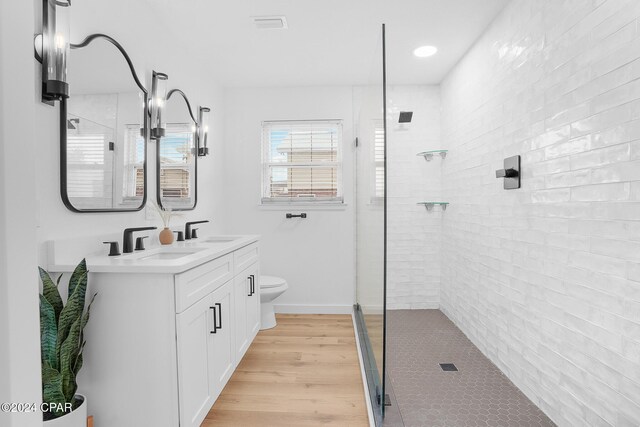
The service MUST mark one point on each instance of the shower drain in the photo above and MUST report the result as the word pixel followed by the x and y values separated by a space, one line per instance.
pixel 448 367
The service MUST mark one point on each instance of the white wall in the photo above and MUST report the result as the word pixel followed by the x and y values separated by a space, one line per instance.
pixel 19 320
pixel 32 210
pixel 413 234
pixel 151 46
pixel 545 280
pixel 315 255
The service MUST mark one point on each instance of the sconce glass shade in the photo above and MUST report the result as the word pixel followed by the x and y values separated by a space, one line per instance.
pixel 203 131
pixel 56 30
pixel 157 103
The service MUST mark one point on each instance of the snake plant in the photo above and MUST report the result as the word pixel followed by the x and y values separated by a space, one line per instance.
pixel 62 339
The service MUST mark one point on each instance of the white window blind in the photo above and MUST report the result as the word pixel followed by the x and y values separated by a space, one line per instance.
pixel 89 163
pixel 302 161
pixel 133 164
pixel 378 158
pixel 178 165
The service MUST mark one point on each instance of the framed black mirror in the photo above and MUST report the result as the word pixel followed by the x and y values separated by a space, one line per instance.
pixel 103 130
pixel 176 156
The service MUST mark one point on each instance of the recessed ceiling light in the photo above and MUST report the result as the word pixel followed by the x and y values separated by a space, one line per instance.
pixel 425 51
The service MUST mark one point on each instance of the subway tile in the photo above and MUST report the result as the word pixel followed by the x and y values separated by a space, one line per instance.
pixel 605 156
pixel 600 192
pixel 620 172
pixel 625 132
pixel 573 146
pixel 620 249
pixel 572 232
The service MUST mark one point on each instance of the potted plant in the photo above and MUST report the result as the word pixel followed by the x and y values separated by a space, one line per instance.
pixel 61 344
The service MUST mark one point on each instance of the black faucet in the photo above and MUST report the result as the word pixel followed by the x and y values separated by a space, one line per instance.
pixel 187 228
pixel 127 238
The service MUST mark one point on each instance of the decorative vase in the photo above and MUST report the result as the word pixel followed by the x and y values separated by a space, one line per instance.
pixel 76 418
pixel 166 236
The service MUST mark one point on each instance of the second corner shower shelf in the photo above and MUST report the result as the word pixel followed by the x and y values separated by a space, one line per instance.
pixel 431 205
pixel 428 155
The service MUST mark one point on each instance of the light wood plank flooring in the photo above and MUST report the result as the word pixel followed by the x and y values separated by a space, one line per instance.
pixel 303 372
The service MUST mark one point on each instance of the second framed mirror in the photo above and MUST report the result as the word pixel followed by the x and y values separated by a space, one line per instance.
pixel 177 159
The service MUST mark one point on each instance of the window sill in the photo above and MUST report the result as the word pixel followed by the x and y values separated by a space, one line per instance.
pixel 303 206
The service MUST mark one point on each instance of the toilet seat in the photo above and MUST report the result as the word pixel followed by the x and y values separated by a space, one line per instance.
pixel 267 282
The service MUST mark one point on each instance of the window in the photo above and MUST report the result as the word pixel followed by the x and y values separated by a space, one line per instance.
pixel 89 163
pixel 378 159
pixel 302 161
pixel 133 164
pixel 177 160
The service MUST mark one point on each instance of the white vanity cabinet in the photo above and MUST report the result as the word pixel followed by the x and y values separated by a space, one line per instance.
pixel 206 354
pixel 161 346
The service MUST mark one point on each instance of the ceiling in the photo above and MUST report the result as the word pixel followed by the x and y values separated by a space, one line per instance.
pixel 329 42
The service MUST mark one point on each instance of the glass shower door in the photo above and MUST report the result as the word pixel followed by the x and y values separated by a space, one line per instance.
pixel 369 111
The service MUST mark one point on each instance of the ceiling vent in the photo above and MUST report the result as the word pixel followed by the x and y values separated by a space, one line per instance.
pixel 270 22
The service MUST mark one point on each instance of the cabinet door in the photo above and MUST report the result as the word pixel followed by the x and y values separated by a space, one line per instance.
pixel 247 294
pixel 195 378
pixel 241 290
pixel 223 352
pixel 253 302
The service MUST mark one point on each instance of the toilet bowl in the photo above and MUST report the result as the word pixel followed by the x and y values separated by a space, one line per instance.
pixel 271 287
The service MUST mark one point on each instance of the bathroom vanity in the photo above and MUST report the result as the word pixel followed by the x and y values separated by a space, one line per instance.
pixel 167 330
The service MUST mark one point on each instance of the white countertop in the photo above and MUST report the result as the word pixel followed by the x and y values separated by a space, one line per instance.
pixel 169 259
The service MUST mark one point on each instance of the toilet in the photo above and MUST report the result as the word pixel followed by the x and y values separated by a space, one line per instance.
pixel 271 287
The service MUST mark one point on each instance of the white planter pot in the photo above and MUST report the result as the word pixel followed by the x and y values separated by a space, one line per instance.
pixel 77 418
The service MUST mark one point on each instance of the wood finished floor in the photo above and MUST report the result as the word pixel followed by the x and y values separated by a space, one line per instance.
pixel 303 372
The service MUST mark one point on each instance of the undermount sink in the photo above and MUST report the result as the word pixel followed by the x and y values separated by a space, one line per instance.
pixel 168 254
pixel 221 239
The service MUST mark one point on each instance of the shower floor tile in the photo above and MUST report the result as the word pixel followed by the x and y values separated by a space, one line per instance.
pixel 478 394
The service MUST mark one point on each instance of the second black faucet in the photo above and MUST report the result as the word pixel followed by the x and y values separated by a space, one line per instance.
pixel 127 238
pixel 188 235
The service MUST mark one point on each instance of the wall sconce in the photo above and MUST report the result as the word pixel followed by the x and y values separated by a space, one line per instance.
pixel 52 48
pixel 156 106
pixel 203 131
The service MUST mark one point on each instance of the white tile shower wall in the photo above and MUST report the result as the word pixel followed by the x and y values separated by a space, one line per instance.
pixel 546 279
pixel 413 234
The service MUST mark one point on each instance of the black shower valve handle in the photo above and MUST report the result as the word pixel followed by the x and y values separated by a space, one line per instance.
pixel 506 173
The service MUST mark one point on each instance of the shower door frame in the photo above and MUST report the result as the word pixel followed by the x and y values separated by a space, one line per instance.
pixel 376 386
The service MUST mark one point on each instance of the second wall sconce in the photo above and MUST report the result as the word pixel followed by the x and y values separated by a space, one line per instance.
pixel 156 104
pixel 203 131
pixel 52 48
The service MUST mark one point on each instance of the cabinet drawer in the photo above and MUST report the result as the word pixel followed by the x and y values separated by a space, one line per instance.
pixel 246 256
pixel 196 283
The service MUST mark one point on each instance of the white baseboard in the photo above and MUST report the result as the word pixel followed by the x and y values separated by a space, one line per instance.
pixel 312 309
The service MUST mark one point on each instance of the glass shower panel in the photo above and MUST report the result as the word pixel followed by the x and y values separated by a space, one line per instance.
pixel 369 120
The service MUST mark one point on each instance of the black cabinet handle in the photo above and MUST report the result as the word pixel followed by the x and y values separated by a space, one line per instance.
pixel 290 215
pixel 250 286
pixel 219 315
pixel 215 327
pixel 253 284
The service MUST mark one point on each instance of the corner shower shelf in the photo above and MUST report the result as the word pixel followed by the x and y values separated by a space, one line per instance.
pixel 428 155
pixel 431 205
